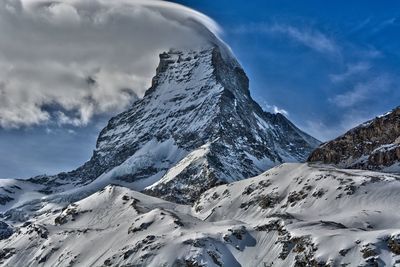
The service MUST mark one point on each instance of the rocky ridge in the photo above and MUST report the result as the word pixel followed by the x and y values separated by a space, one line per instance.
pixel 373 145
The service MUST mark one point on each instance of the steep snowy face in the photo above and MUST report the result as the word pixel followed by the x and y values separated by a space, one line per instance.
pixel 373 145
pixel 196 127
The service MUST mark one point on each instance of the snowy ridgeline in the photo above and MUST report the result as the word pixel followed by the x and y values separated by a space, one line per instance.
pixel 292 214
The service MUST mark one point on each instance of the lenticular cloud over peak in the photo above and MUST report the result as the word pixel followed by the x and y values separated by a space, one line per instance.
pixel 66 61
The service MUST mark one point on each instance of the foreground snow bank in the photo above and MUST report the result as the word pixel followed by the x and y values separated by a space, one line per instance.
pixel 292 214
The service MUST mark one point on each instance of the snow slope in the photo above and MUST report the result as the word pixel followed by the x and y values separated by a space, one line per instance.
pixel 291 215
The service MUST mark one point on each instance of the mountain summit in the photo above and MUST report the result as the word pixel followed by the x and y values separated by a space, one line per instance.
pixel 196 127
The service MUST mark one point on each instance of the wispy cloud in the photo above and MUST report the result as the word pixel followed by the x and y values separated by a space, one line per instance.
pixel 362 91
pixel 361 25
pixel 307 36
pixel 352 70
pixel 385 24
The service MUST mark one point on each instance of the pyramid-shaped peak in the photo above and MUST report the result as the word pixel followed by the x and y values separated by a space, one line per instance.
pixel 198 98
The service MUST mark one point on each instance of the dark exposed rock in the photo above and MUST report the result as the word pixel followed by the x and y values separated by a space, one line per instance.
pixel 394 245
pixel 333 224
pixel 268 201
pixel 373 145
pixel 41 230
pixel 264 201
pixel 368 251
pixel 274 225
pixel 294 197
pixel 69 213
pixel 148 243
pixel 5 230
pixel 187 263
pixel 142 226
pixel 47 255
pixel 319 193
pixel 249 189
pixel 343 252
pixel 238 233
pixel 198 243
pixel 6 253
pixel 215 257
pixel 4 199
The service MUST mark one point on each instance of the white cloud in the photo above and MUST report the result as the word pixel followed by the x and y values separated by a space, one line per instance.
pixel 275 109
pixel 280 110
pixel 85 57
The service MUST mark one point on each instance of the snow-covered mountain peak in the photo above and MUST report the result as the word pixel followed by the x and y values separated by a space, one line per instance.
pixel 198 97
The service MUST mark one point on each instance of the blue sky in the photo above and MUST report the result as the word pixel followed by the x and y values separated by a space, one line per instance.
pixel 327 65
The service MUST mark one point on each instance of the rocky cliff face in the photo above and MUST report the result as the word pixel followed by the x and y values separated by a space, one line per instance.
pixel 196 127
pixel 373 145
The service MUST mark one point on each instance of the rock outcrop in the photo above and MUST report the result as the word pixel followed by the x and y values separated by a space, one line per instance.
pixel 373 145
